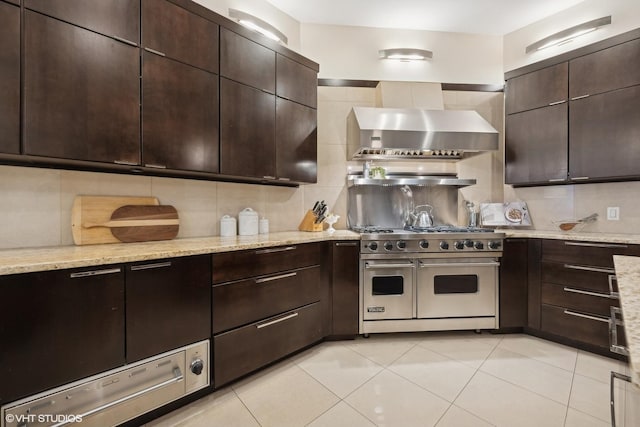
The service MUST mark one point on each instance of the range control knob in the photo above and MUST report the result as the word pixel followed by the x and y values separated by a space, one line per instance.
pixel 494 245
pixel 444 246
pixel 373 246
pixel 459 245
pixel 197 366
pixel 388 246
pixel 401 244
pixel 424 244
pixel 468 243
pixel 479 245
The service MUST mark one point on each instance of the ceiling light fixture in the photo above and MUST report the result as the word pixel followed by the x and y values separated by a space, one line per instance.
pixel 568 35
pixel 404 54
pixel 257 24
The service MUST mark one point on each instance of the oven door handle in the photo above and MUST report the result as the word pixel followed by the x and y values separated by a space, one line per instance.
pixel 397 265
pixel 460 264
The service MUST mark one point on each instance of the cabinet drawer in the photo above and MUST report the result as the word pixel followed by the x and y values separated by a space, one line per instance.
pixel 230 266
pixel 246 349
pixel 577 299
pixel 596 279
pixel 238 303
pixel 585 253
pixel 574 325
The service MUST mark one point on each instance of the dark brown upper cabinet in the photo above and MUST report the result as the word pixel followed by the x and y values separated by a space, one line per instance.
pixel 605 70
pixel 605 130
pixel 542 88
pixel 296 82
pixel 247 62
pixel 536 144
pixel 179 115
pixel 81 93
pixel 9 78
pixel 247 131
pixel 14 1
pixel 114 18
pixel 296 142
pixel 179 34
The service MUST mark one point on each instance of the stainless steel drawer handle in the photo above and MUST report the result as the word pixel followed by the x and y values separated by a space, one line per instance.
pixel 151 266
pixel 269 177
pixel 586 316
pixel 129 42
pixel 580 97
pixel 557 102
pixel 273 322
pixel 376 266
pixel 157 52
pixel 275 250
pixel 346 243
pixel 95 273
pixel 177 378
pixel 595 245
pixel 461 264
pixel 616 320
pixel 153 166
pixel 272 278
pixel 557 179
pixel 593 269
pixel 579 178
pixel 125 162
pixel 593 294
pixel 613 293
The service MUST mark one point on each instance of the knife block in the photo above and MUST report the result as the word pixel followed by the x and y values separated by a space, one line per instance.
pixel 308 223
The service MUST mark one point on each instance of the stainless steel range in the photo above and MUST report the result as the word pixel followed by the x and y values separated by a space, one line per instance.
pixel 436 278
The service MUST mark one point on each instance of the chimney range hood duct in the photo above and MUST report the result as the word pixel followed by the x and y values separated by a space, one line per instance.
pixel 414 133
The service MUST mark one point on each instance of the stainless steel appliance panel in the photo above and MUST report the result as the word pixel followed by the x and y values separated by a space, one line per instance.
pixel 388 289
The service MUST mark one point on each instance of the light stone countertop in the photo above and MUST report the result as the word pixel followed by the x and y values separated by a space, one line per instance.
pixel 16 261
pixel 628 276
pixel 629 239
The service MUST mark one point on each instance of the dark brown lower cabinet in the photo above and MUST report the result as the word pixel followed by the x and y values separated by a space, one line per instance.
pixel 168 305
pixel 514 283
pixel 9 78
pixel 59 326
pixel 243 350
pixel 575 325
pixel 345 288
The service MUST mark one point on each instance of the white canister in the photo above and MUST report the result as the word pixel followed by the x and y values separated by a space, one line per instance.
pixel 264 226
pixel 248 222
pixel 227 226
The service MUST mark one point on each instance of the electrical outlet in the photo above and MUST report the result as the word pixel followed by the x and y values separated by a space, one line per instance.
pixel 613 213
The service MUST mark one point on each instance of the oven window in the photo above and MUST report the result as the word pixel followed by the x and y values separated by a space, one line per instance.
pixel 388 285
pixel 456 284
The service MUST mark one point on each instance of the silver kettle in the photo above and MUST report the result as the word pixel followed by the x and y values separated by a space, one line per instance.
pixel 422 218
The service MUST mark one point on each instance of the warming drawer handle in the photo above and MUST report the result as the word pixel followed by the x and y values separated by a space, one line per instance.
pixel 274 250
pixel 273 322
pixel 398 265
pixel 586 316
pixel 461 264
pixel 177 378
pixel 594 269
pixel 593 294
pixel 150 266
pixel 278 277
pixel 95 273
pixel 595 245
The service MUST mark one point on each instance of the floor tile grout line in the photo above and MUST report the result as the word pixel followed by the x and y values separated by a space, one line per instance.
pixel 246 407
pixel 542 361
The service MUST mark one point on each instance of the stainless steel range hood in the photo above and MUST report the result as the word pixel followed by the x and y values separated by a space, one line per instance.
pixel 415 133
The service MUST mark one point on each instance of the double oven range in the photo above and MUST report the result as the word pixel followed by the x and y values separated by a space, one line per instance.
pixel 436 278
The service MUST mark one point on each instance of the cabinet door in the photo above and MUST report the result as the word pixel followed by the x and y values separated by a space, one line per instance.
pixel 537 89
pixel 9 79
pixel 114 18
pixel 296 82
pixel 192 39
pixel 345 288
pixel 168 305
pixel 247 62
pixel 608 69
pixel 81 93
pixel 605 130
pixel 180 115
pixel 247 131
pixel 60 326
pixel 513 284
pixel 296 142
pixel 536 145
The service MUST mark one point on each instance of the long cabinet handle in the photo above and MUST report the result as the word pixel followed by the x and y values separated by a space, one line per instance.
pixel 129 42
pixel 557 102
pixel 273 322
pixel 593 294
pixel 154 166
pixel 579 178
pixel 95 273
pixel 397 265
pixel 557 179
pixel 586 316
pixel 157 52
pixel 177 378
pixel 150 266
pixel 595 245
pixel 346 243
pixel 594 269
pixel 462 264
pixel 278 277
pixel 580 97
pixel 275 250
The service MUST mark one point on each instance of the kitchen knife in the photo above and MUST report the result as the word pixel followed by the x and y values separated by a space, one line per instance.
pixel 315 207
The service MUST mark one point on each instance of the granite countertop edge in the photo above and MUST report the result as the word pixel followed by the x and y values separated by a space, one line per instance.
pixel 628 278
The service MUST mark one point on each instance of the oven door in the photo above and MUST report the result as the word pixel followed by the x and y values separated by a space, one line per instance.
pixel 388 289
pixel 464 287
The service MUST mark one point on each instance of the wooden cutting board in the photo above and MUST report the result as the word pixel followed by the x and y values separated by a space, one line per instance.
pixel 142 223
pixel 98 209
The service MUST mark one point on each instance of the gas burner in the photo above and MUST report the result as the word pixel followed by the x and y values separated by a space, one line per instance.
pixel 373 229
pixel 447 229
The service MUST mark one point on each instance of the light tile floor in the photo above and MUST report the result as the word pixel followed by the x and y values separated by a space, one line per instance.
pixel 455 379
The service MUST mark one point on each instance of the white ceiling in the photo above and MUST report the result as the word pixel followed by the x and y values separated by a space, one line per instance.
pixel 497 17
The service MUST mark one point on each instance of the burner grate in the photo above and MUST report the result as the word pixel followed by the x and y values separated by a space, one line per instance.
pixel 372 229
pixel 447 229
